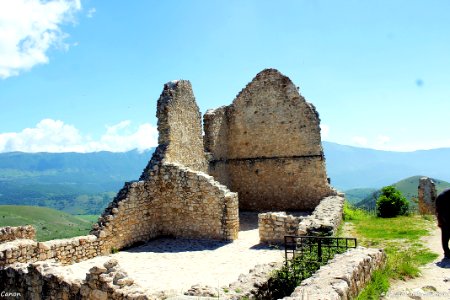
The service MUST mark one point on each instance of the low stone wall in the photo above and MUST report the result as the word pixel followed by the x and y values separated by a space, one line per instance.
pixel 273 226
pixel 343 277
pixel 14 233
pixel 65 251
pixel 43 281
pixel 323 221
pixel 173 201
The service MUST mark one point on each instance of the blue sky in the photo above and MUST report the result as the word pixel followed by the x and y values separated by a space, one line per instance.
pixel 86 75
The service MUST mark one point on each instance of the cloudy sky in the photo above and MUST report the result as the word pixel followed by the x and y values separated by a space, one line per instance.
pixel 84 75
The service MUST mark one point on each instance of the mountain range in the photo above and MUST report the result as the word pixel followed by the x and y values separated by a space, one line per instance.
pixel 84 183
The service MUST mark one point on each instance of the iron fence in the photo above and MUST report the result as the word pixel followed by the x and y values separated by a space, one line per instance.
pixel 314 248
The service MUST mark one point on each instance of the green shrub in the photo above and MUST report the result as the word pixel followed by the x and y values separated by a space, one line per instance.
pixel 391 203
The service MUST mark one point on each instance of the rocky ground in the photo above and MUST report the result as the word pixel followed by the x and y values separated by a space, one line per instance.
pixel 434 283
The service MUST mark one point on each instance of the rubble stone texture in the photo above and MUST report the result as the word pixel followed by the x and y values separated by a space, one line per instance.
pixel 324 221
pixel 427 196
pixel 174 197
pixel 266 146
pixel 14 233
pixel 343 277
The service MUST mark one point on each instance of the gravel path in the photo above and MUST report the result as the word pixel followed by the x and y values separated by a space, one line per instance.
pixel 176 264
pixel 434 283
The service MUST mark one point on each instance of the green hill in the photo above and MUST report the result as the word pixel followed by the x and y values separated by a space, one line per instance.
pixel 77 183
pixel 407 186
pixel 354 196
pixel 49 223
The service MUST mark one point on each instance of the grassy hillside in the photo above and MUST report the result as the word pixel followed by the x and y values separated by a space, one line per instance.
pixel 77 183
pixel 49 223
pixel 407 186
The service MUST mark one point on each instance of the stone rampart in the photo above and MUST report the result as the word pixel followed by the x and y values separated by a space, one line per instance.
pixel 323 221
pixel 266 146
pixel 344 277
pixel 14 233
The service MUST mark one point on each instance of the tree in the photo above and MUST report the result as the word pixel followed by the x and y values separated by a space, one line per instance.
pixel 391 203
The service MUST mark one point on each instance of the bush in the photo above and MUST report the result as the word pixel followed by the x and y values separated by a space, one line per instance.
pixel 391 203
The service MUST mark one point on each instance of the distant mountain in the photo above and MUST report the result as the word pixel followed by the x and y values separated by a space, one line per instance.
pixel 407 186
pixel 351 167
pixel 354 196
pixel 78 183
pixel 49 223
pixel 84 183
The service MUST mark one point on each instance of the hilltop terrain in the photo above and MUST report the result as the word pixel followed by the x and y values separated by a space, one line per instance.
pixel 84 183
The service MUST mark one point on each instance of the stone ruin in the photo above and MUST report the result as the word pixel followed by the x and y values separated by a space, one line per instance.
pixel 427 196
pixel 261 153
pixel 266 146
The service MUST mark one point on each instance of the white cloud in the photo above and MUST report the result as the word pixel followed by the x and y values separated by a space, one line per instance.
pixel 28 29
pixel 325 131
pixel 56 136
pixel 360 141
pixel 90 13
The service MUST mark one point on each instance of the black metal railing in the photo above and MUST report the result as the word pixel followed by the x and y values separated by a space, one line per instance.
pixel 314 248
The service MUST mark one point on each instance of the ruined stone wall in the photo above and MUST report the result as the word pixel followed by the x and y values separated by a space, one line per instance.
pixel 43 281
pixel 323 221
pixel 266 146
pixel 174 196
pixel 344 277
pixel 427 196
pixel 175 201
pixel 180 128
pixel 14 233
pixel 273 226
pixel 65 251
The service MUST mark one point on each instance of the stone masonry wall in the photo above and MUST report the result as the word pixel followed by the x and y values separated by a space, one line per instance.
pixel 266 146
pixel 180 128
pixel 174 196
pixel 175 201
pixel 42 281
pixel 427 196
pixel 65 251
pixel 13 233
pixel 323 221
pixel 344 277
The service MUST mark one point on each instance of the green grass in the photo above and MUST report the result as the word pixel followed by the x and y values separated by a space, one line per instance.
pixel 400 238
pixel 49 223
pixel 90 218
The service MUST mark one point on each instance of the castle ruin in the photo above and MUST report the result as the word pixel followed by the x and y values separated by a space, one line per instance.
pixel 262 153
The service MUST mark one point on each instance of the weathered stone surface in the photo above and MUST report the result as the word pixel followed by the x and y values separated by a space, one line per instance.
pixel 324 220
pixel 343 277
pixel 427 196
pixel 173 197
pixel 9 233
pixel 266 146
pixel 180 131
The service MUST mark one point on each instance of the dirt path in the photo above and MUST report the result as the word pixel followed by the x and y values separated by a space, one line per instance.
pixel 434 283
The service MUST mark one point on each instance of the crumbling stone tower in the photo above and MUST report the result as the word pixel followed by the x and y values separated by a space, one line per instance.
pixel 174 196
pixel 427 196
pixel 266 146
